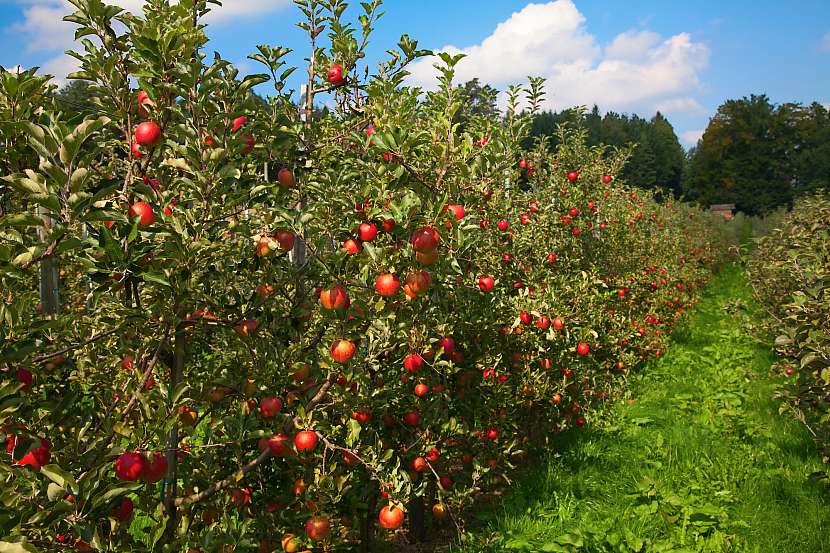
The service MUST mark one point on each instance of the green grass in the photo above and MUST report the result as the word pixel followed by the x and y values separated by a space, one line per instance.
pixel 700 461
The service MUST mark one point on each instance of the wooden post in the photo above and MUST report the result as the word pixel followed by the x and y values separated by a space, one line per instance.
pixel 173 442
pixel 49 275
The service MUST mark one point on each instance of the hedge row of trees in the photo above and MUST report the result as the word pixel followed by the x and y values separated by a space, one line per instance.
pixel 268 329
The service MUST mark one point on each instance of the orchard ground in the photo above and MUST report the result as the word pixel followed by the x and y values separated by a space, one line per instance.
pixel 696 458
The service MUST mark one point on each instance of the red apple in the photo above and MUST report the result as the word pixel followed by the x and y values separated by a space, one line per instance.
pixel 425 240
pixel 144 212
pixel 147 133
pixel 155 468
pixel 486 283
pixel 352 246
pixel 367 232
pixel 335 75
pixel 413 362
pixel 286 178
pixel 412 418
pixel 387 284
pixel 447 344
pixel 238 122
pixel 390 518
pixel 342 350
pixel 334 298
pixel 305 440
pixel 418 282
pixel 130 466
pixel 582 348
pixel 124 510
pixel 270 406
pixel 457 211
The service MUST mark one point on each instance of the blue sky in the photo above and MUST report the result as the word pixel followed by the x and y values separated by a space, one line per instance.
pixel 638 56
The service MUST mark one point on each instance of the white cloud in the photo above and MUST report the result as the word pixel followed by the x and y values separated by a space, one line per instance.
pixel 637 70
pixel 825 42
pixel 680 105
pixel 43 29
pixel 690 138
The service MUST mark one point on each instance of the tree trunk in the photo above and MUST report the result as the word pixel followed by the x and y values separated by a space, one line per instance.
pixel 367 529
pixel 417 526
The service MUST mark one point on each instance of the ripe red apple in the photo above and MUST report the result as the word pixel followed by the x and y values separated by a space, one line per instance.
pixel 335 75
pixel 130 466
pixel 238 122
pixel 427 258
pixel 425 239
pixel 388 225
pixel 305 440
pixel 606 178
pixel 342 350
pixel 317 528
pixel 367 232
pixel 352 246
pixel 147 133
pixel 135 151
pixel 144 212
pixel 503 225
pixel 334 298
pixel 387 284
pixel 413 362
pixel 582 348
pixel 412 418
pixel 25 378
pixel 486 283
pixel 124 510
pixel 390 518
pixel 432 455
pixel 418 282
pixel 278 444
pixel 524 219
pixel 286 178
pixel 543 322
pixel 270 406
pixel 285 239
pixel 492 434
pixel 457 211
pixel 155 468
pixel 525 317
pixel 421 390
pixel 144 102
pixel 418 464
pixel 447 344
pixel 572 176
pixel 558 323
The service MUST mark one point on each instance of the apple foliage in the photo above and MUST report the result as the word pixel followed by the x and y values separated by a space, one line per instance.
pixel 789 271
pixel 192 392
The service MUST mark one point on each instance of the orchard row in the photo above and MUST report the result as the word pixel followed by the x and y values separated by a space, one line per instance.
pixel 273 328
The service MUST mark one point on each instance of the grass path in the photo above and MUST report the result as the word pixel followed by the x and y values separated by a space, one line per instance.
pixel 697 460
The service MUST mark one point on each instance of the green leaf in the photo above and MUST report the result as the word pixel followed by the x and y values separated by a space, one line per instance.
pixel 58 476
pixel 156 278
pixel 7 547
